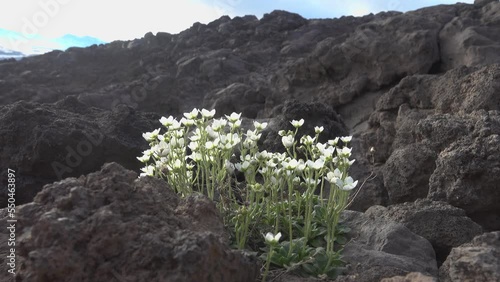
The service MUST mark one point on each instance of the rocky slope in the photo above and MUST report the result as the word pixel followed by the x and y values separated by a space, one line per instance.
pixel 421 88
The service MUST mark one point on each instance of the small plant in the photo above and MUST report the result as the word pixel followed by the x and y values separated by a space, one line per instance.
pixel 299 193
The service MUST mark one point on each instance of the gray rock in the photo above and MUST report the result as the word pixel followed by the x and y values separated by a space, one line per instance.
pixel 109 225
pixel 442 224
pixel 382 248
pixel 411 277
pixel 48 142
pixel 478 260
pixel 468 172
pixel 407 171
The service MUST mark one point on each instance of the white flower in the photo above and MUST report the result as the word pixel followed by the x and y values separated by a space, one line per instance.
pixel 148 171
pixel 281 133
pixel 271 238
pixel 301 166
pixel 187 122
pixel 287 141
pixel 344 152
pixel 218 124
pixel 372 149
pixel 312 182
pixel 333 142
pixel 290 165
pixel 307 140
pixel 151 136
pixel 208 114
pixel 167 121
pixel 211 145
pixel 236 124
pixel 195 157
pixel 233 117
pixel 193 146
pixel 175 125
pixel 162 148
pixel 347 184
pixel 259 126
pixel 192 115
pixel 332 177
pixel 346 139
pixel 297 123
pixel 262 156
pixel 177 164
pixel 144 158
pixel 316 165
pixel 318 129
pixel 242 166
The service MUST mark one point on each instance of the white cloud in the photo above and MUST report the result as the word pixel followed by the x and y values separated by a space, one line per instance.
pixel 108 20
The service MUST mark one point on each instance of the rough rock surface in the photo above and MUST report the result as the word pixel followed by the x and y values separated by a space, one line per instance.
pixel 381 248
pixel 109 225
pixel 438 137
pixel 411 277
pixel 442 224
pixel 48 142
pixel 420 88
pixel 478 260
pixel 313 113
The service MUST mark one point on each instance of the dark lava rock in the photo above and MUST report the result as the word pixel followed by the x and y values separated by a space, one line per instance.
pixel 478 260
pixel 442 224
pixel 468 172
pixel 380 248
pixel 437 137
pixel 47 142
pixel 313 113
pixel 110 225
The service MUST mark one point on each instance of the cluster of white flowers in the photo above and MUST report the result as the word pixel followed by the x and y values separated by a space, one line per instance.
pixel 195 152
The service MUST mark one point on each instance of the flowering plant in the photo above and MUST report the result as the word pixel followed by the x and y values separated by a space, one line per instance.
pixel 302 197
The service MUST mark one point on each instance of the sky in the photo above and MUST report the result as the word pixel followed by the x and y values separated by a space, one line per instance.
pixel 27 25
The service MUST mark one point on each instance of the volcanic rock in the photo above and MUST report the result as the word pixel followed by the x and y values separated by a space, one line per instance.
pixel 48 142
pixel 109 225
pixel 442 224
pixel 478 260
pixel 380 248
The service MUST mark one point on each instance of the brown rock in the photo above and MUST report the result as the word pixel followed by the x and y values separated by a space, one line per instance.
pixel 109 225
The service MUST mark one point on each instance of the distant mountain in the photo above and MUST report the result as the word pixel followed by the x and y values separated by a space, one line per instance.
pixel 39 44
pixel 7 53
pixel 70 40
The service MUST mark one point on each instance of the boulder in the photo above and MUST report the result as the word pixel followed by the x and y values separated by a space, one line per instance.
pixel 48 142
pixel 380 248
pixel 411 277
pixel 443 225
pixel 478 260
pixel 110 225
pixel 468 172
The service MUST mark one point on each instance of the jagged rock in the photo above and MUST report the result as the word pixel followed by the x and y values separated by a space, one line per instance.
pixel 407 171
pixel 442 224
pixel 468 171
pixel 439 121
pixel 109 225
pixel 478 260
pixel 382 248
pixel 337 60
pixel 472 37
pixel 47 142
pixel 239 98
pixel 314 114
pixel 411 277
